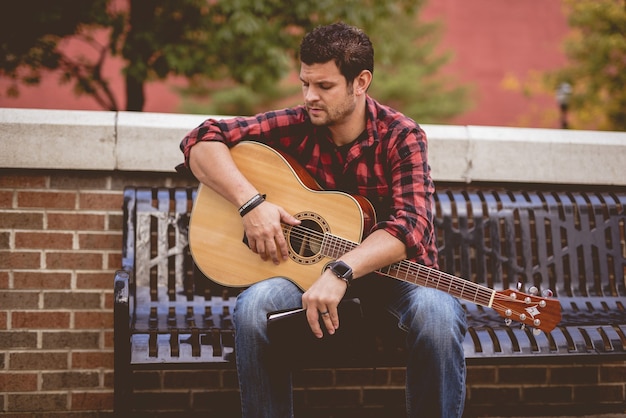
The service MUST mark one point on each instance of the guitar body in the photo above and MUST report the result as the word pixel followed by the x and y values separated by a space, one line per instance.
pixel 216 236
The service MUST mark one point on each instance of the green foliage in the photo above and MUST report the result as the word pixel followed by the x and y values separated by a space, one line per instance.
pixel 407 69
pixel 238 99
pixel 251 44
pixel 596 49
pixel 30 32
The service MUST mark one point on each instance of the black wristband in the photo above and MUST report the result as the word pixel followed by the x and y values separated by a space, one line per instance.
pixel 255 201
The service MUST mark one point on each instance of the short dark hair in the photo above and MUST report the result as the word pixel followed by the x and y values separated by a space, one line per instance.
pixel 348 46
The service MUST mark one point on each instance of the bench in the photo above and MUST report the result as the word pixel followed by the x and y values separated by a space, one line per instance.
pixel 169 316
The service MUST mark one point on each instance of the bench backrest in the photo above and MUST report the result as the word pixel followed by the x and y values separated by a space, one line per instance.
pixel 572 243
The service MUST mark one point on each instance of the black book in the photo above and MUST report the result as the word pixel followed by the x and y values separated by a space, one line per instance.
pixel 293 343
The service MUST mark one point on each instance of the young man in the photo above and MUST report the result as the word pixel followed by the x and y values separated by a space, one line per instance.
pixel 347 141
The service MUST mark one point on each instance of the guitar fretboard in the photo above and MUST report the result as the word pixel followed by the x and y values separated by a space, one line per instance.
pixel 408 271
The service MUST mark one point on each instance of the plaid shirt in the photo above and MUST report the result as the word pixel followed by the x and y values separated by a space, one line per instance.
pixel 387 164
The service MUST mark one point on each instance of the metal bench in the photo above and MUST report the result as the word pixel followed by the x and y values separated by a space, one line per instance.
pixel 168 315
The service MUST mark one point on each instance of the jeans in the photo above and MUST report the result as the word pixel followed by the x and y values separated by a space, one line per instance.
pixel 433 320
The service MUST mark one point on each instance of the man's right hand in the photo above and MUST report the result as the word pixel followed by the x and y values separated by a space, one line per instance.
pixel 264 231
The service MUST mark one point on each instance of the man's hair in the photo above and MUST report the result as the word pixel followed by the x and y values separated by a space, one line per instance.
pixel 348 46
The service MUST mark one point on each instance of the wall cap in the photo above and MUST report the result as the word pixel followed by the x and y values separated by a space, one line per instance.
pixel 142 141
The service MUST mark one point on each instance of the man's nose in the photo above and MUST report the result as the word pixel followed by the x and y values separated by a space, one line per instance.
pixel 310 95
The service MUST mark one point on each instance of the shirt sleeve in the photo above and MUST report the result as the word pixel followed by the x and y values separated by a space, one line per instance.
pixel 228 131
pixel 264 127
pixel 411 216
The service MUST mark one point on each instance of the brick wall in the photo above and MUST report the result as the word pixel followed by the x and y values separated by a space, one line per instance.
pixel 519 390
pixel 492 391
pixel 60 243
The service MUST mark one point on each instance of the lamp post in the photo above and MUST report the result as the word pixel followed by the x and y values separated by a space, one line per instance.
pixel 563 94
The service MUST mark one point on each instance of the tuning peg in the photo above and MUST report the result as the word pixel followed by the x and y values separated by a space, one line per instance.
pixel 536 331
pixel 520 285
pixel 533 290
pixel 547 293
pixel 507 322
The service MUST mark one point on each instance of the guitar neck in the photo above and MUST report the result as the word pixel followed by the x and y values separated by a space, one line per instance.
pixel 409 271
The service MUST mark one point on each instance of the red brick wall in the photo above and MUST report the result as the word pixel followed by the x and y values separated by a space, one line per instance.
pixel 492 391
pixel 60 243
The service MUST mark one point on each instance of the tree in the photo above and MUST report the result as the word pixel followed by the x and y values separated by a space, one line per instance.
pixel 596 49
pixel 250 42
pixel 407 75
pixel 30 32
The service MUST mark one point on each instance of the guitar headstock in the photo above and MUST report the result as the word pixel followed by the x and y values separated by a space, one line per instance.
pixel 543 313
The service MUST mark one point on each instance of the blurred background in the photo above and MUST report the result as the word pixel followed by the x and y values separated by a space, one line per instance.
pixel 531 63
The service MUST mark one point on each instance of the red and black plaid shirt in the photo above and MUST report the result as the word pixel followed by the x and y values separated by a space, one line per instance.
pixel 387 164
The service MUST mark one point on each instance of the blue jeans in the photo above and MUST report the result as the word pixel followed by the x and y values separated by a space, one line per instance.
pixel 435 326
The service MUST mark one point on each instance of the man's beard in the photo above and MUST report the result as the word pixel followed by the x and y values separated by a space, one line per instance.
pixel 329 117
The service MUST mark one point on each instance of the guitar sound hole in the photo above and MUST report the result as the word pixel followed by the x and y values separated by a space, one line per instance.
pixel 306 239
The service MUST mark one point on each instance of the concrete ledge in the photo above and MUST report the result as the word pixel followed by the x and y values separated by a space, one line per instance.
pixel 91 140
pixel 484 153
pixel 150 141
pixel 130 141
pixel 57 139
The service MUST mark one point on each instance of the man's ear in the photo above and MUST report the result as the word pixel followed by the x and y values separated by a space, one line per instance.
pixel 362 82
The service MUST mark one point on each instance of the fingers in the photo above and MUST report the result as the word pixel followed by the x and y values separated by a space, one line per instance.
pixel 265 232
pixel 282 248
pixel 329 319
pixel 288 218
pixel 268 241
pixel 321 302
pixel 270 248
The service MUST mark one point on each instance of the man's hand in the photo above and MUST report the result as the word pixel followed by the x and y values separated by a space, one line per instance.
pixel 264 231
pixel 322 299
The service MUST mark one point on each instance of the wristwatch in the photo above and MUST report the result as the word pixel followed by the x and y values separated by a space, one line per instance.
pixel 341 270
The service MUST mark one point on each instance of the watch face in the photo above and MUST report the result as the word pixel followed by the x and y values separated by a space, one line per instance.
pixel 340 268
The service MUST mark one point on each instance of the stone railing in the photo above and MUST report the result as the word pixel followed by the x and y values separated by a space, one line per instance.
pixel 127 141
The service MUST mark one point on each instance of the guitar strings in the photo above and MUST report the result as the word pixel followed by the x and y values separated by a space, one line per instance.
pixel 482 294
pixel 339 246
pixel 406 268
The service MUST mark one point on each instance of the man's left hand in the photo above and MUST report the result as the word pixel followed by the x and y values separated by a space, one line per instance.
pixel 322 299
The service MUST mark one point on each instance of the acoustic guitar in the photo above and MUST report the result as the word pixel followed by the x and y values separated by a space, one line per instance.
pixel 332 223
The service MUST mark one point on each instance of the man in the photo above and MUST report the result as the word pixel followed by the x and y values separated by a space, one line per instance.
pixel 347 141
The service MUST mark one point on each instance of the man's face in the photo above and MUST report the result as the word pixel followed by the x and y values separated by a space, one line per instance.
pixel 328 97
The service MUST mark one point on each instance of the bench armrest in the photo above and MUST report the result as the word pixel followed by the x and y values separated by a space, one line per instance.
pixel 121 287
pixel 121 320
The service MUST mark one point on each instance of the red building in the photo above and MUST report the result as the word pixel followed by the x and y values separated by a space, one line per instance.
pixel 496 45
